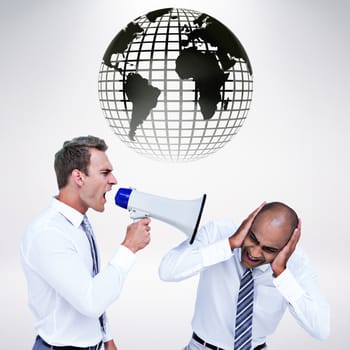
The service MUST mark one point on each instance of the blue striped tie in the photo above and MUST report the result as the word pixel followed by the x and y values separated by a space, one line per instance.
pixel 95 268
pixel 244 313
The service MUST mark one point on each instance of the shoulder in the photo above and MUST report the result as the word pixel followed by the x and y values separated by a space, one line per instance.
pixel 46 220
pixel 45 229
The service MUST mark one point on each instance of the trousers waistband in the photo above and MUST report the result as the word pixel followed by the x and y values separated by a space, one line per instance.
pixel 69 347
pixel 213 347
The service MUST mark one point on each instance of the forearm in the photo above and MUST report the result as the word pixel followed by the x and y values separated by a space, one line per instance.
pixel 94 295
pixel 66 273
pixel 187 260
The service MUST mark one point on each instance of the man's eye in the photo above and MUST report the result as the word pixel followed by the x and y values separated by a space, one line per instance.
pixel 270 250
pixel 252 237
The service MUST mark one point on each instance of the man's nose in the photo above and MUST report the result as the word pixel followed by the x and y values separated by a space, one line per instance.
pixel 113 180
pixel 256 251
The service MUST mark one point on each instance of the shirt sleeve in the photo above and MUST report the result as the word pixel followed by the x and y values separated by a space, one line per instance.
pixel 56 259
pixel 210 247
pixel 298 285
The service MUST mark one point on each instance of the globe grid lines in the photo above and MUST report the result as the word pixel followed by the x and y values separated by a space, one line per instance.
pixel 174 130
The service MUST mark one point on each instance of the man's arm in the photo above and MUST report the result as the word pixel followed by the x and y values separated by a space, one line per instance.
pixel 236 240
pixel 210 247
pixel 299 285
pixel 297 282
pixel 214 243
pixel 56 259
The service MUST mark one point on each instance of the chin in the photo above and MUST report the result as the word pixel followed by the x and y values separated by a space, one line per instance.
pixel 99 209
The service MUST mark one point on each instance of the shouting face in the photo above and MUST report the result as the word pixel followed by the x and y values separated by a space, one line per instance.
pixel 97 182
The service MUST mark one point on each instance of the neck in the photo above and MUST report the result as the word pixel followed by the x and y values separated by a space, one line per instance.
pixel 72 199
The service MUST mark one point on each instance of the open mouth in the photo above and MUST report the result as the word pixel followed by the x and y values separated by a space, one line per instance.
pixel 251 260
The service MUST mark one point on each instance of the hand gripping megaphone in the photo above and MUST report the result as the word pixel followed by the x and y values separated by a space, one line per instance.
pixel 182 214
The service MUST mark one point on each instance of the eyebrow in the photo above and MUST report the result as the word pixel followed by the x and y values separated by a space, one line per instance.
pixel 106 170
pixel 253 238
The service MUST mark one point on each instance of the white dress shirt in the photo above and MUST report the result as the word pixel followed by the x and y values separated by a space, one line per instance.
pixel 220 270
pixel 65 299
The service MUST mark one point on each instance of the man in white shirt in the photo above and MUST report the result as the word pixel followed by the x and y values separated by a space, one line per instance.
pixel 265 243
pixel 68 293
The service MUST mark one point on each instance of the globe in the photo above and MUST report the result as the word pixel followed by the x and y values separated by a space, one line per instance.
pixel 175 85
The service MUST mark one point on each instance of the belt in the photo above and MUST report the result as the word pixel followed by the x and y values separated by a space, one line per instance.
pixel 213 347
pixel 69 347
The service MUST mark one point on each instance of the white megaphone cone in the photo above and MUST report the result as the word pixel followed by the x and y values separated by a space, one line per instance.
pixel 182 214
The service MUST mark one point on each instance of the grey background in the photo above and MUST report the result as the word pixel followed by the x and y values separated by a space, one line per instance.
pixel 293 148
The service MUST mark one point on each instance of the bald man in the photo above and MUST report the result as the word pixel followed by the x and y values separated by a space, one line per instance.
pixel 264 247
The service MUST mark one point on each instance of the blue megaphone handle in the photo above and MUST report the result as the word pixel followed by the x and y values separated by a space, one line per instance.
pixel 122 197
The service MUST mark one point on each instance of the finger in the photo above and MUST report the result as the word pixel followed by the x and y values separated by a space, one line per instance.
pixel 252 215
pixel 297 231
pixel 146 220
pixel 299 224
pixel 246 224
pixel 256 211
pixel 143 222
pixel 297 234
pixel 294 239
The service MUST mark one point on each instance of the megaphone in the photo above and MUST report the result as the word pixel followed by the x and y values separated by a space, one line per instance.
pixel 182 214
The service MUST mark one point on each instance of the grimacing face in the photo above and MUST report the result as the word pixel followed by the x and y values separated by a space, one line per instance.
pixel 268 234
pixel 98 182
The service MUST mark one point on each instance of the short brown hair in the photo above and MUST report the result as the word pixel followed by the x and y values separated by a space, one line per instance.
pixel 75 154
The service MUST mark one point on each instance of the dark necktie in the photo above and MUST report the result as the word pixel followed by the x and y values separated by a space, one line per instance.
pixel 244 314
pixel 95 268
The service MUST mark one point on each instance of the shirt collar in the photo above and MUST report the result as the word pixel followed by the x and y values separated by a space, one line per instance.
pixel 72 215
pixel 263 268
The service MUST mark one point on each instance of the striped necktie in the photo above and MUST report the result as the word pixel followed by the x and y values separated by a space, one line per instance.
pixel 244 313
pixel 95 268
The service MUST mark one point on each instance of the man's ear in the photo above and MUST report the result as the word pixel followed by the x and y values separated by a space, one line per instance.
pixel 78 177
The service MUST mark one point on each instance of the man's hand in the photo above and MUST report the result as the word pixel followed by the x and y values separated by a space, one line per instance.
pixel 279 263
pixel 110 345
pixel 238 237
pixel 137 235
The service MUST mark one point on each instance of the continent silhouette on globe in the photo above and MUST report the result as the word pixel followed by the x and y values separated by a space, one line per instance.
pixel 175 85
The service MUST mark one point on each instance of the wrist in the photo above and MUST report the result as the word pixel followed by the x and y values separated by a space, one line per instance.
pixel 130 246
pixel 233 243
pixel 277 271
